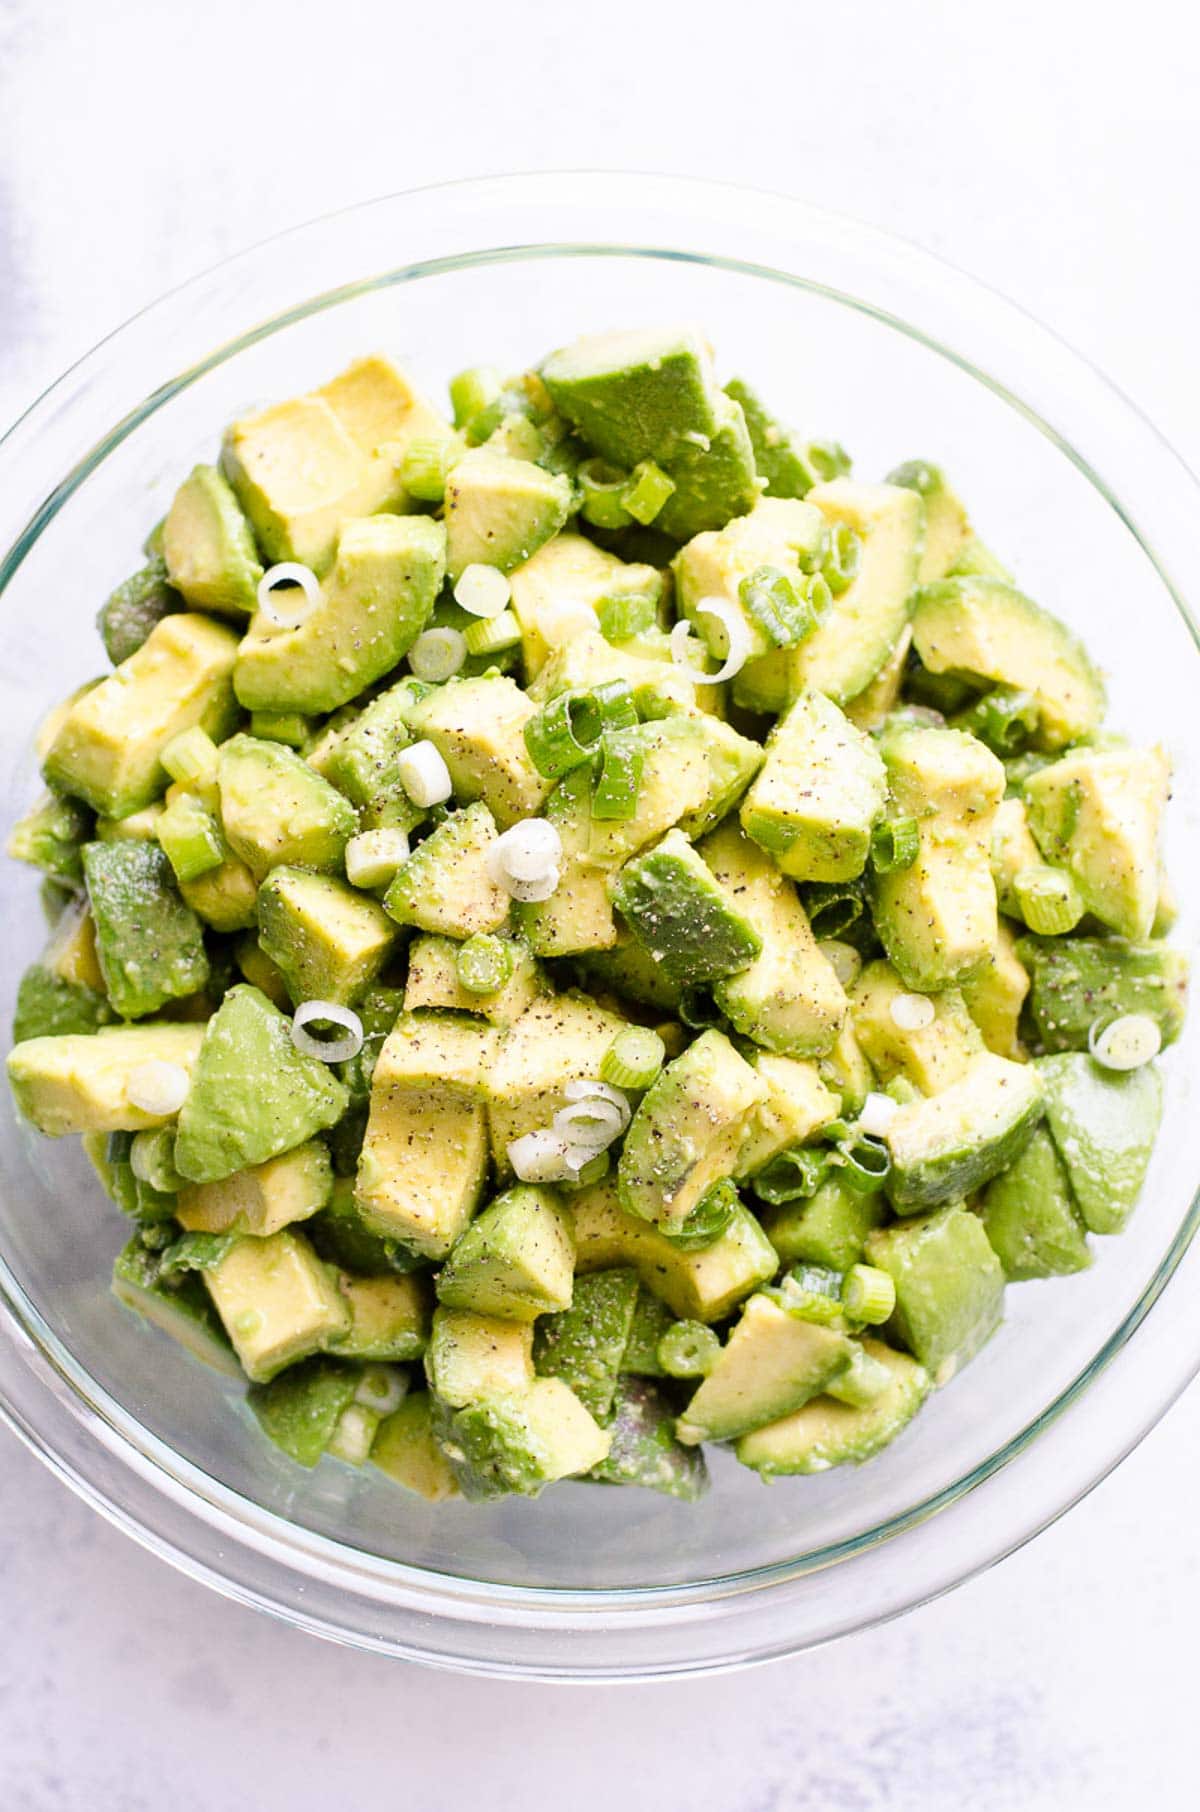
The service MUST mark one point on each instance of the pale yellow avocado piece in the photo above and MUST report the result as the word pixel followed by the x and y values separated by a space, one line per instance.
pixel 107 747
pixel 771 1364
pixel 868 711
pixel 226 897
pixel 77 1082
pixel 994 995
pixel 472 1356
pixel 688 1130
pixel 1012 848
pixel 432 981
pixel 499 511
pixel 568 570
pixel 135 827
pixel 700 1285
pixel 780 532
pixel 789 999
pixel 561 1039
pixel 1099 813
pixel 585 660
pixel 818 794
pixel 937 918
pixel 797 1106
pixel 676 783
pixel 327 940
pixel 208 547
pixel 263 1198
pixel 931 1057
pixel 405 1450
pixel 477 726
pixel 389 1317
pixel 844 1068
pixel 71 950
pixel 383 413
pixel 578 915
pixel 439 1050
pixel 276 1300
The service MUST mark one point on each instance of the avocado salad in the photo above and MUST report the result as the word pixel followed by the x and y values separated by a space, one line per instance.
pixel 582 929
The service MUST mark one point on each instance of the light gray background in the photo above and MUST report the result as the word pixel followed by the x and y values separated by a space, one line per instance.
pixel 1050 149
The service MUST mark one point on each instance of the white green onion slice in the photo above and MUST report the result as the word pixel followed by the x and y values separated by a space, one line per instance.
pixel 289 573
pixel 437 654
pixel 374 857
pixel 737 637
pixel 585 1089
pixel 157 1087
pixel 541 1157
pixel 423 774
pixel 878 1112
pixel 483 590
pixel 913 1012
pixel 1125 1043
pixel 328 1050
pixel 525 852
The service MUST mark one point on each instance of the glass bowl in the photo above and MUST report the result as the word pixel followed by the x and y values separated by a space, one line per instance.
pixel 848 333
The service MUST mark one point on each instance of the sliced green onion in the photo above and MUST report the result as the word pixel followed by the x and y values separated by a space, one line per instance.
pixel 157 1087
pixel 281 726
pixel 564 733
pixel 425 468
pixel 152 1160
pixel 646 491
pixel 1049 899
pixel 1004 718
pixel 698 1010
pixel 374 857
pixel 327 1012
pixel 866 1162
pixel 833 907
pixel 625 614
pixel 524 852
pixel 792 1176
pixel 894 844
pixel 473 390
pixel 190 838
pixel 1125 1043
pixel 843 959
pixel 491 634
pixel 484 963
pixel 422 772
pixel 619 782
pixel 603 487
pixel 707 1221
pixel 912 1012
pixel 737 641
pixel 292 576
pixel 840 565
pixel 868 1294
pixel 813 1293
pixel 826 459
pixel 593 1171
pixel 772 602
pixel 688 1349
pixel 633 1059
pixel 482 589
pixel 354 1434
pixel 191 758
pixel 484 423
pixel 864 1379
pixel 876 1115
pixel 437 654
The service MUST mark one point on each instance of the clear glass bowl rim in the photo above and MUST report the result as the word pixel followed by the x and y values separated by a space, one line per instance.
pixel 175 1509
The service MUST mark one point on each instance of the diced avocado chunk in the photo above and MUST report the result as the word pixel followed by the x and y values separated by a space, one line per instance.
pixel 253 1094
pixel 778 532
pixel 946 1147
pixel 446 885
pixel 1098 813
pixel 651 1319
pixel 1104 1124
pixel 77 1082
pixel 299 1411
pixel 328 941
pixel 150 944
pixel 644 1448
pixel 947 528
pixel 515 1260
pixel 639 394
pixel 825 1433
pixel 687 1130
pixel 433 981
pixel 263 1198
pixel 208 547
pixel 985 629
pixel 499 511
pixel 702 1285
pixel 374 603
pixel 585 1345
pixel 70 951
pixel 864 624
pixel 789 998
pixel 406 1451
pixel 994 995
pixel 937 917
pixel 383 412
pixel 48 1005
pixel 424 1155
pixel 578 916
pixel 797 1106
pixel 676 782
pixel 585 660
pixel 680 912
pixel 949 1286
pixel 51 836
pixel 275 809
pixel 870 710
pixel 1030 1217
pixel 733 761
pixel 712 482
pixel 389 1317
pixel 277 1301
pixel 930 1056
pixel 225 897
pixel 130 612
pixel 361 757
pixel 472 1356
pixel 477 726
pixel 829 1227
pixel 789 466
pixel 181 1309
pixel 561 1039
pixel 1078 981
pixel 107 747
pixel 771 1364
pixel 569 569
pixel 627 968
pixel 520 1442
pixel 818 794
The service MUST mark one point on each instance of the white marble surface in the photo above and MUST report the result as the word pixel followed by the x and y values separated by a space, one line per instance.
pixel 1048 148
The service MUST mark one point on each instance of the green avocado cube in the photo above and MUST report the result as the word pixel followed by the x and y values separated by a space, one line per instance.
pixel 277 1302
pixel 275 809
pixel 261 1199
pixel 515 1260
pixel 499 511
pixel 829 1227
pixel 253 1094
pixel 1076 981
pixel 687 921
pixel 1104 1124
pixel 405 1450
pixel 818 795
pixel 136 606
pixel 362 761
pixel 1099 812
pixel 949 1286
pixel 446 885
pixel 771 1363
pixel 520 1442
pixel 478 728
pixel 299 1410
pixel 826 1433
pixel 646 393
pixel 471 1357
pixel 389 1317
pixel 183 1310
pixel 328 941
pixel 947 528
pixel 644 1450
pixel 687 1130
pixel 373 604
pixel 51 836
pixel 150 944
pixel 788 465
pixel 208 546
pixel 585 1345
pixel 713 482
pixel 49 1004
pixel 948 1145
pixel 1030 1217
